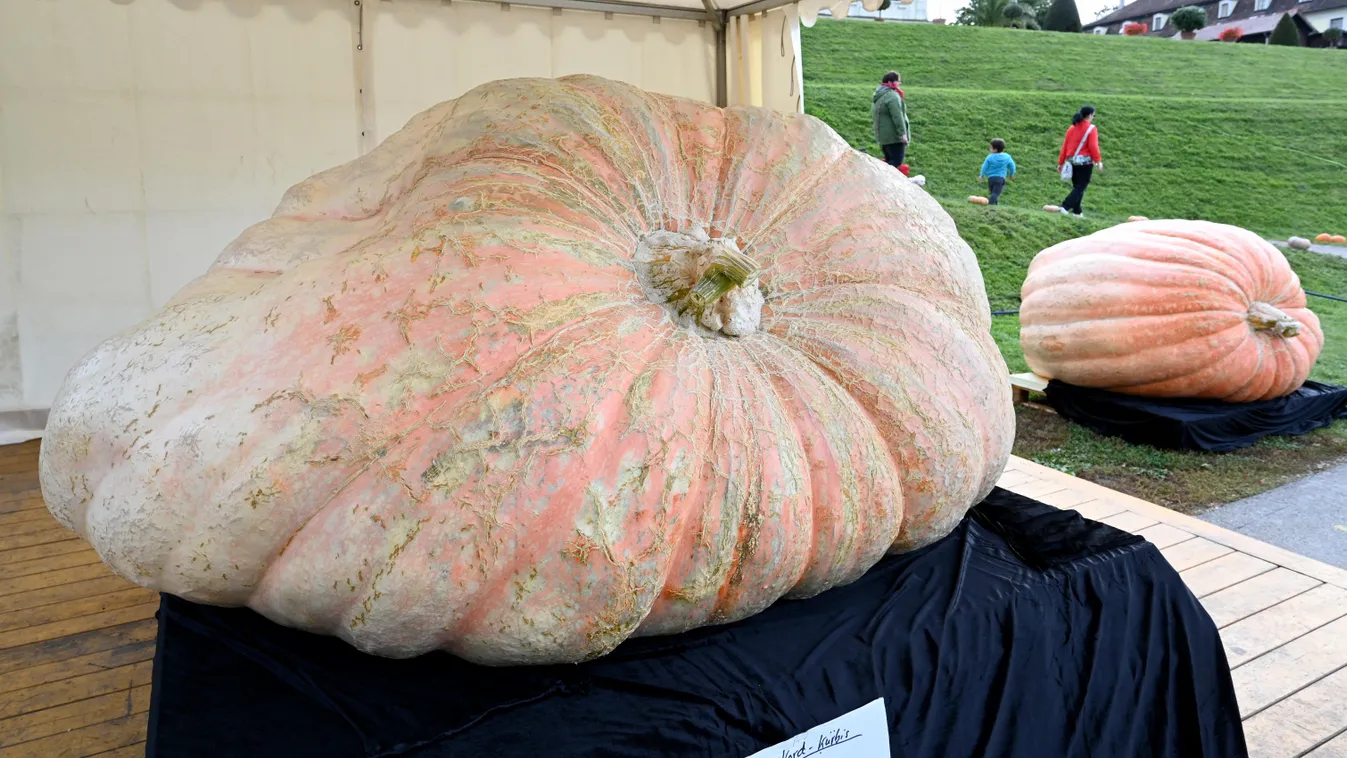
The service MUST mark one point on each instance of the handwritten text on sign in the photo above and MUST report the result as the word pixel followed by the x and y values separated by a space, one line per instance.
pixel 862 733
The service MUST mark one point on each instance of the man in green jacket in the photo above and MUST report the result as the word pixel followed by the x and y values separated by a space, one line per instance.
pixel 889 113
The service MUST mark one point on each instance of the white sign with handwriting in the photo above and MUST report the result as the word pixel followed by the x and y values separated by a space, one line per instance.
pixel 862 733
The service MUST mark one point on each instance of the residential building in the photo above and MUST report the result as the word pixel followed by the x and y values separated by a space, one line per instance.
pixel 1254 18
pixel 897 11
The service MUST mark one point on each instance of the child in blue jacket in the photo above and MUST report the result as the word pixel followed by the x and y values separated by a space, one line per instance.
pixel 996 169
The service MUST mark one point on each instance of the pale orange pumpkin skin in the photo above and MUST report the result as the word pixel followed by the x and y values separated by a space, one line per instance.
pixel 1169 309
pixel 430 403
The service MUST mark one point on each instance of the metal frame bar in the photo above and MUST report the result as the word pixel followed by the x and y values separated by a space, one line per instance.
pixel 760 6
pixel 613 6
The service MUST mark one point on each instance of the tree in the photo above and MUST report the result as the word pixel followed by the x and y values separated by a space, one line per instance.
pixel 1063 17
pixel 1189 18
pixel 1013 12
pixel 1286 32
pixel 1333 36
pixel 983 13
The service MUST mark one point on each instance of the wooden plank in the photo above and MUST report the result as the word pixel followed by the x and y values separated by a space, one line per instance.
pixel 1037 489
pixel 126 595
pixel 1295 725
pixel 37 524
pixel 1253 595
pixel 83 665
pixel 1234 540
pixel 130 751
pixel 1226 571
pixel 53 533
pixel 21 517
pixel 53 563
pixel 84 713
pixel 52 579
pixel 1012 479
pixel 1029 381
pixel 1193 552
pixel 1289 668
pixel 61 658
pixel 18 482
pixel 1278 625
pixel 1097 510
pixel 1164 535
pixel 1067 498
pixel 1334 748
pixel 63 593
pixel 1128 521
pixel 76 688
pixel 23 501
pixel 71 544
pixel 88 741
pixel 65 627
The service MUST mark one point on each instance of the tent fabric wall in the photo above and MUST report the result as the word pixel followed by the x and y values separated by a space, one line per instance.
pixel 139 137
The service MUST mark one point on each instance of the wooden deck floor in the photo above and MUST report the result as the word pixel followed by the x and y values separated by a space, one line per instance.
pixel 76 642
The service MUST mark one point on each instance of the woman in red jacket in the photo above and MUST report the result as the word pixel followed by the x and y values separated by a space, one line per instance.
pixel 1080 150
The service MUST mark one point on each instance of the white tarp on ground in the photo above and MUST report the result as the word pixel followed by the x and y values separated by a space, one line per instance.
pixel 138 137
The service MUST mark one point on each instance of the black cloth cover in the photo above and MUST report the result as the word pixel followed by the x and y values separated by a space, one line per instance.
pixel 1028 632
pixel 1187 424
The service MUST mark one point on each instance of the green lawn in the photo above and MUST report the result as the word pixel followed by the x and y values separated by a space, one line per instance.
pixel 1242 134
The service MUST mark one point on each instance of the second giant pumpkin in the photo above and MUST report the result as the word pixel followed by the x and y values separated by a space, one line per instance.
pixel 1169 309
pixel 559 363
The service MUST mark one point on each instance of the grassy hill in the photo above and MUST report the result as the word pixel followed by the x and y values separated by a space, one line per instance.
pixel 1242 134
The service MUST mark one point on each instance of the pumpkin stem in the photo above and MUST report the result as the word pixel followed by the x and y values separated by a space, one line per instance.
pixel 728 269
pixel 1264 317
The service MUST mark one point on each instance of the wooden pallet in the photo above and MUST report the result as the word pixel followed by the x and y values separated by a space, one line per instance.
pixel 76 642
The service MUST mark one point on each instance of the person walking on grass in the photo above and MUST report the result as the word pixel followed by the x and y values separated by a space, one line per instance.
pixel 889 112
pixel 997 168
pixel 1079 158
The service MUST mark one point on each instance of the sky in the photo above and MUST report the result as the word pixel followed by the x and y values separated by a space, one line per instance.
pixel 947 9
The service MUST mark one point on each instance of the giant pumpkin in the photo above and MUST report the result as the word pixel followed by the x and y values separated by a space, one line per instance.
pixel 558 363
pixel 1169 309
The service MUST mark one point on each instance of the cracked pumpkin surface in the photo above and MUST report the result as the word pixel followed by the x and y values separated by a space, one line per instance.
pixel 559 363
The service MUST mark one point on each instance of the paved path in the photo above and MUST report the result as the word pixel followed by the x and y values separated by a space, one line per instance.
pixel 1308 517
pixel 1338 250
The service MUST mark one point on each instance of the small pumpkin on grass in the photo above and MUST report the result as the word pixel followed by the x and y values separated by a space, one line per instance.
pixel 1325 237
pixel 977 200
pixel 1169 309
pixel 559 363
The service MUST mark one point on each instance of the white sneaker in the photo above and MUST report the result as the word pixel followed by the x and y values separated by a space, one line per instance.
pixel 1064 211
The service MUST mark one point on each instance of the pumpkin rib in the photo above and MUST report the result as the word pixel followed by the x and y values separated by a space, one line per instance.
pixel 1235 348
pixel 854 518
pixel 1203 248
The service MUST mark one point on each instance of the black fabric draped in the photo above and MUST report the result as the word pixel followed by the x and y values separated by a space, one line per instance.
pixel 1028 632
pixel 1189 424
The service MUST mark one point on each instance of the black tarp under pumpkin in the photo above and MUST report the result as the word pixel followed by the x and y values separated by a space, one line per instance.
pixel 1027 632
pixel 1212 426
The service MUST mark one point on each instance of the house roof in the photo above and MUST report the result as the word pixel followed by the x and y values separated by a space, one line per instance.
pixel 1251 25
pixel 1143 10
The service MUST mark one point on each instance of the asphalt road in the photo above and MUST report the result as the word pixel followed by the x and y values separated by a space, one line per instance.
pixel 1308 517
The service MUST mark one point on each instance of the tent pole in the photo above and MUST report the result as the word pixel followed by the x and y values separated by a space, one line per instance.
pixel 719 20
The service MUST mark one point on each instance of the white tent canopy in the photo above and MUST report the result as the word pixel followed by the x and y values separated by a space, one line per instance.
pixel 139 137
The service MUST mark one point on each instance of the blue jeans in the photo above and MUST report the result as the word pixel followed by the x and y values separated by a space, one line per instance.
pixel 996 185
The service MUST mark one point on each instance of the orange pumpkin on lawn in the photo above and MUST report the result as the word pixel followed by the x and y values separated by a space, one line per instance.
pixel 1169 309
